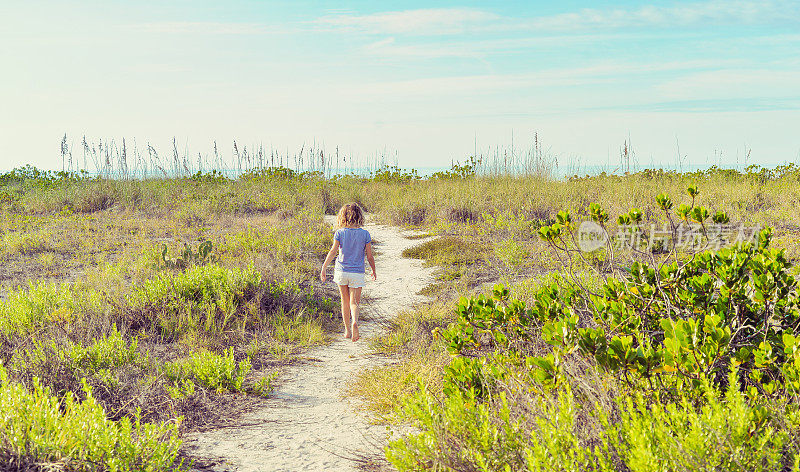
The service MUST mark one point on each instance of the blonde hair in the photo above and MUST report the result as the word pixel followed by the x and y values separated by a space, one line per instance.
pixel 350 215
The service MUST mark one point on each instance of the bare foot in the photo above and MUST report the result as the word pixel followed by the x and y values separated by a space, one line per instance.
pixel 347 333
pixel 355 333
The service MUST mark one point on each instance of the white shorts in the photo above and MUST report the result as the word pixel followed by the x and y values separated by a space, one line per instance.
pixel 351 279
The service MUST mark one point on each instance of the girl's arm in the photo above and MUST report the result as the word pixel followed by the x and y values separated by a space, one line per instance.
pixel 371 260
pixel 328 259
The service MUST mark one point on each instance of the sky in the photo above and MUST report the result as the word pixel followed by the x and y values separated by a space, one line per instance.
pixel 711 81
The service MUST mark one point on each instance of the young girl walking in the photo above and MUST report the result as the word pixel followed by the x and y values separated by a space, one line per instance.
pixel 352 242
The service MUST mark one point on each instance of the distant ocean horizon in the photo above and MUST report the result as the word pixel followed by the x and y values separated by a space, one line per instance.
pixel 553 171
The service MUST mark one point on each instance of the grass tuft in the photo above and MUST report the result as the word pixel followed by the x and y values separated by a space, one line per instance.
pixel 446 251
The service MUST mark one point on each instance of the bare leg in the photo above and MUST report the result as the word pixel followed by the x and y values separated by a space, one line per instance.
pixel 355 301
pixel 344 291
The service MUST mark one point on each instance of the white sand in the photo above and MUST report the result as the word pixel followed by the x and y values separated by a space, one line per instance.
pixel 307 424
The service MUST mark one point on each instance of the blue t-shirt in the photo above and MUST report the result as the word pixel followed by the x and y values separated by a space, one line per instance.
pixel 352 244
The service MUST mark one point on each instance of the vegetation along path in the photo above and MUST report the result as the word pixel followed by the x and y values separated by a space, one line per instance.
pixel 308 423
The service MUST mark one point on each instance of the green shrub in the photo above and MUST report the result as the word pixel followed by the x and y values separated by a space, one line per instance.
pixel 458 433
pixel 683 321
pixel 459 171
pixel 394 174
pixel 722 434
pixel 102 355
pixel 42 432
pixel 220 373
pixel 112 365
pixel 550 432
pixel 205 298
pixel 41 303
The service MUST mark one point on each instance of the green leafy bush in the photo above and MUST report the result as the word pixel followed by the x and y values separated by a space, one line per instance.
pixel 554 432
pixel 102 355
pixel 459 171
pixel 112 365
pixel 41 303
pixel 206 298
pixel 32 175
pixel 41 431
pixel 220 373
pixel 214 176
pixel 394 174
pixel 277 172
pixel 725 433
pixel 680 322
pixel 458 433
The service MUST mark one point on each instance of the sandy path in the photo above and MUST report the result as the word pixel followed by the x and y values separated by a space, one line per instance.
pixel 307 424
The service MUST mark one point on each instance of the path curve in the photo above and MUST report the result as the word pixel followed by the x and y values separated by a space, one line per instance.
pixel 307 424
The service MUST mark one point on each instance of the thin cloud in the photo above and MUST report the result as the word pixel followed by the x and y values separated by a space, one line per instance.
pixel 446 21
pixel 429 21
pixel 567 77
pixel 379 46
pixel 681 15
pixel 459 21
pixel 202 27
pixel 482 48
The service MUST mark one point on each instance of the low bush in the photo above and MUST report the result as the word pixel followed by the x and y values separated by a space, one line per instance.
pixel 220 373
pixel 111 365
pixel 394 174
pixel 520 424
pixel 469 169
pixel 677 323
pixel 725 433
pixel 40 303
pixel 208 298
pixel 43 432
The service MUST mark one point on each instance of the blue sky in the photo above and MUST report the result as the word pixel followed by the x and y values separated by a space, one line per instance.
pixel 427 80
